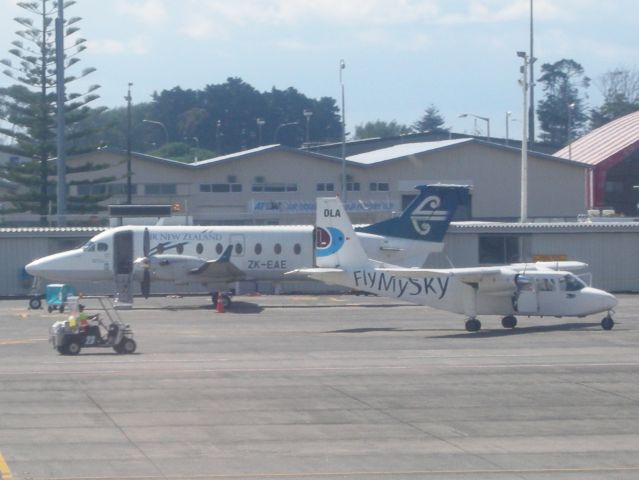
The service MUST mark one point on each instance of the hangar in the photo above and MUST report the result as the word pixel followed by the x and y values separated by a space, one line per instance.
pixel 276 184
pixel 612 151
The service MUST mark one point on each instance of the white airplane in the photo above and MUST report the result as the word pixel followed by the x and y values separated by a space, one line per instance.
pixel 538 289
pixel 218 255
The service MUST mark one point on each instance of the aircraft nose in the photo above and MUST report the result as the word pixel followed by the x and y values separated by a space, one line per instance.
pixel 611 301
pixel 35 268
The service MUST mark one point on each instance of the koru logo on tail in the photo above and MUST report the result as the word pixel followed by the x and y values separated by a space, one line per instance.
pixel 426 213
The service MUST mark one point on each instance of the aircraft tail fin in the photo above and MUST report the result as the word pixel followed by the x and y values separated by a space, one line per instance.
pixel 428 215
pixel 336 244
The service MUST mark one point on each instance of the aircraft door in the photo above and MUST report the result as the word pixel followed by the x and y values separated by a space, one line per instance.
pixel 526 299
pixel 123 252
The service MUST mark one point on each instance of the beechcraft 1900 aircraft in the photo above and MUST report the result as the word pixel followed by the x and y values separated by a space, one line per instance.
pixel 538 289
pixel 218 255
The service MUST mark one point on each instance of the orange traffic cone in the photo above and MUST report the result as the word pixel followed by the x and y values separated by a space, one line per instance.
pixel 219 306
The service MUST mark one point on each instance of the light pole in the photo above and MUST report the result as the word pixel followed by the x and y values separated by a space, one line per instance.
pixel 342 66
pixel 571 108
pixel 218 134
pixel 260 123
pixel 508 114
pixel 61 199
pixel 128 145
pixel 155 122
pixel 308 114
pixel 479 117
pixel 524 138
pixel 280 126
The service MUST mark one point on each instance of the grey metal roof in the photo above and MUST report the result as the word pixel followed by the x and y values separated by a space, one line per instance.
pixel 403 150
pixel 543 227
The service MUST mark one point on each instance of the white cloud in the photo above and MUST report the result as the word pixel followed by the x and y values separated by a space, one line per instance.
pixel 108 46
pixel 151 12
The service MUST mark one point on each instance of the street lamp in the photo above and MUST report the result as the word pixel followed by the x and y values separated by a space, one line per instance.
pixel 479 117
pixel 308 114
pixel 524 137
pixel 280 126
pixel 129 188
pixel 260 123
pixel 508 120
pixel 218 135
pixel 342 66
pixel 155 122
pixel 571 109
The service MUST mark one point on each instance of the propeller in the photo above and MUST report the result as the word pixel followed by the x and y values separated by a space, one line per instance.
pixel 145 285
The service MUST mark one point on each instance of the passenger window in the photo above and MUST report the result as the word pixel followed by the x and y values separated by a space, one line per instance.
pixel 102 247
pixel 297 249
pixel 238 249
pixel 179 249
pixel 160 248
pixel 277 249
pixel 219 249
pixel 199 248
pixel 258 248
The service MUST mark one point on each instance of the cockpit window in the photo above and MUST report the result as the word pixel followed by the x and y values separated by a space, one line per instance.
pixel 89 247
pixel 570 283
pixel 103 247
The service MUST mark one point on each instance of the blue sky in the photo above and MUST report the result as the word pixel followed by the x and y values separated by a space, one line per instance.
pixel 401 55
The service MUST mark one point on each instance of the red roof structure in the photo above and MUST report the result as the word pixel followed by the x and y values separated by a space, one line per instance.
pixel 603 148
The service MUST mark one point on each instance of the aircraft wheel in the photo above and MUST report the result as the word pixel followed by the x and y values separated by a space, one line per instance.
pixel 226 301
pixel 73 347
pixel 35 303
pixel 473 325
pixel 607 323
pixel 50 309
pixel 509 321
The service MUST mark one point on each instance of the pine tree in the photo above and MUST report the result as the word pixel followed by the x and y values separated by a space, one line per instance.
pixel 29 107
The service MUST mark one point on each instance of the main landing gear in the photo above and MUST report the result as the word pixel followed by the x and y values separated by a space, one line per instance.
pixel 509 321
pixel 225 298
pixel 473 325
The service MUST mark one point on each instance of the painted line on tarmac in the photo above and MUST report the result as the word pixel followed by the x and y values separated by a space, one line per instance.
pixel 409 473
pixel 23 341
pixel 5 473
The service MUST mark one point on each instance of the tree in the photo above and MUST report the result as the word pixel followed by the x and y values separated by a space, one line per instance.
pixel 561 113
pixel 380 129
pixel 431 121
pixel 29 106
pixel 620 89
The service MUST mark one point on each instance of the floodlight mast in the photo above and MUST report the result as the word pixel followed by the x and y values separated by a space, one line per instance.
pixel 524 138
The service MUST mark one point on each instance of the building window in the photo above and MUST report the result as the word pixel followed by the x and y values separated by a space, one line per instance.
pixel 379 187
pixel 105 188
pixel 274 187
pixel 221 187
pixel 160 189
pixel 353 186
pixel 498 249
pixel 325 187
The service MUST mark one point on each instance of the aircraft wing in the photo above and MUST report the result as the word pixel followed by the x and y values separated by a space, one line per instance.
pixel 493 280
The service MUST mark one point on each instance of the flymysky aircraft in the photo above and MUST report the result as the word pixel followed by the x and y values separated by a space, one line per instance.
pixel 537 289
pixel 219 255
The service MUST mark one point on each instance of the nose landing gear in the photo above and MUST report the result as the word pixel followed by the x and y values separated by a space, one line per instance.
pixel 607 322
pixel 473 325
